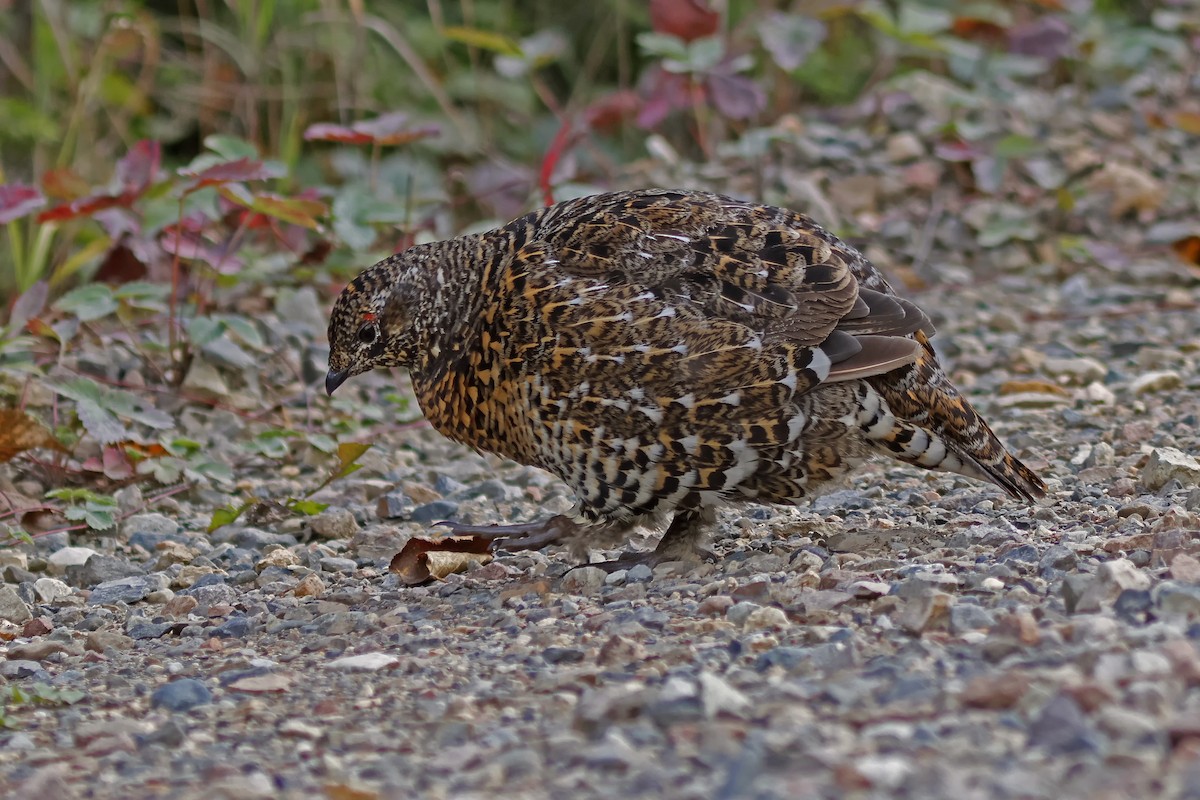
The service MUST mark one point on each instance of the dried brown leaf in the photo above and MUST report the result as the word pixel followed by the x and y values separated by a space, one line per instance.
pixel 414 565
pixel 442 563
pixel 20 432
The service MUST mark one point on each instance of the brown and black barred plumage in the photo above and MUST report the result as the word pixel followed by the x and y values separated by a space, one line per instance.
pixel 663 353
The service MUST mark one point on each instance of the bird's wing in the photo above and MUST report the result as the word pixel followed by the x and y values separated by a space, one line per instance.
pixel 706 269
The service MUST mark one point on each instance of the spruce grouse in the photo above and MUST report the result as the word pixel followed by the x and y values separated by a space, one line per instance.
pixel 664 353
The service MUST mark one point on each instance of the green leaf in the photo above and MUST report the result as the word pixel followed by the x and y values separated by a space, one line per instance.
pixel 307 507
pixel 230 148
pixel 320 441
pixel 76 495
pixel 97 404
pixel 246 330
pixel 1014 145
pixel 98 519
pixel 102 425
pixel 484 40
pixel 229 514
pixel 89 302
pixel 663 45
pixel 349 452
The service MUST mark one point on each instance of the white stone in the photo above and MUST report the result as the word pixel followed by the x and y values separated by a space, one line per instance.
pixel 718 697
pixel 1121 574
pixel 365 662
pixel 1156 382
pixel 51 590
pixel 1076 370
pixel 59 560
pixel 1166 463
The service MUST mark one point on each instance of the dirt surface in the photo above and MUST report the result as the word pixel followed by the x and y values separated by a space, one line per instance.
pixel 907 635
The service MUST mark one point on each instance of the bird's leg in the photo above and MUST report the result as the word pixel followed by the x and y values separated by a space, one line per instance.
pixel 680 542
pixel 525 536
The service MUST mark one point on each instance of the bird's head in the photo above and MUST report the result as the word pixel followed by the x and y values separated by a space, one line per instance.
pixel 372 323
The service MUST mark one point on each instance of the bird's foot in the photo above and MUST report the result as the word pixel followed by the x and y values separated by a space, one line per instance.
pixel 677 552
pixel 524 536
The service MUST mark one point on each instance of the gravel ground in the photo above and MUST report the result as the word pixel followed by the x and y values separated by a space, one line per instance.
pixel 910 634
pixel 907 635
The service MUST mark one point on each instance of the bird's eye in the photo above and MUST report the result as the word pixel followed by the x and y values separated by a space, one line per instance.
pixel 366 334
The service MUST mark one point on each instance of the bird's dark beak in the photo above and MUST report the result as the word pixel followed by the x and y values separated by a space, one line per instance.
pixel 335 379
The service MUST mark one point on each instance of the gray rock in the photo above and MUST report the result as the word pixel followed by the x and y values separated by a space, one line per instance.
pixel 1061 727
pixel 738 613
pixel 615 578
pixel 435 511
pixel 562 655
pixel 1174 598
pixel 584 581
pixel 141 628
pixel 1074 587
pixel 445 485
pixel 23 669
pixel 12 607
pixel 251 538
pixel 234 628
pixel 970 617
pixel 393 504
pixel 147 530
pixel 1022 553
pixel 335 523
pixel 181 695
pixel 126 590
pixel 101 569
pixel 1058 557
pixel 1167 463
pixel 332 564
pixel 639 573
pixel 491 489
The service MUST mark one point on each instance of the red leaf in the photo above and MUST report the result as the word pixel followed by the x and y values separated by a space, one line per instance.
pixel 562 140
pixel 612 109
pixel 388 129
pixel 328 132
pixel 980 30
pixel 139 167
pixel 686 19
pixel 64 184
pixel 244 169
pixel 83 207
pixel 121 265
pixel 18 200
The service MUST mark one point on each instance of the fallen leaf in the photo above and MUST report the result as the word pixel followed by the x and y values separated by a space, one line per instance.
pixel 20 432
pixel 442 563
pixel 1188 248
pixel 423 560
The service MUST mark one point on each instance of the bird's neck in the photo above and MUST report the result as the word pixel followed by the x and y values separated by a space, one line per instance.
pixel 452 369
